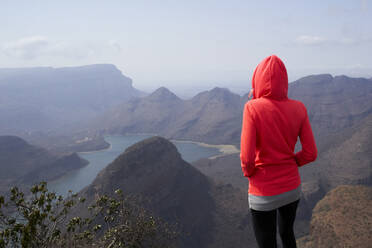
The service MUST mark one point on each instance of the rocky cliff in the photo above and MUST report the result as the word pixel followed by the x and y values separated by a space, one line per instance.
pixel 343 218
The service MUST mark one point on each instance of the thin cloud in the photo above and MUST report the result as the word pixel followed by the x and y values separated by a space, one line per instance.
pixel 115 44
pixel 33 47
pixel 26 48
pixel 309 40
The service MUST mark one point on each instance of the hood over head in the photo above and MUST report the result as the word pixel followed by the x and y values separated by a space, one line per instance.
pixel 270 79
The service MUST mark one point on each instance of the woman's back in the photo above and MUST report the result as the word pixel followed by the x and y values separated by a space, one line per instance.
pixel 272 124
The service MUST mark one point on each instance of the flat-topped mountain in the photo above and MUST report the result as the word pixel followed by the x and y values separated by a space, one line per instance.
pixel 177 192
pixel 343 218
pixel 46 98
pixel 23 164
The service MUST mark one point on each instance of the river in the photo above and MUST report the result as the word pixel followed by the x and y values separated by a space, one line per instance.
pixel 78 179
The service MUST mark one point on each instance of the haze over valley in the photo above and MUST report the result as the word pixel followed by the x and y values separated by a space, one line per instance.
pixel 143 101
pixel 339 110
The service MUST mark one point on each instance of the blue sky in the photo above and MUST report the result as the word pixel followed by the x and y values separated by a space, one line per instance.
pixel 189 44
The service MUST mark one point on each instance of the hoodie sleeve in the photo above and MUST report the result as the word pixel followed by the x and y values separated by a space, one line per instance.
pixel 309 151
pixel 248 143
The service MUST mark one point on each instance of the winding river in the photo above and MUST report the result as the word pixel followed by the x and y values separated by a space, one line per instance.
pixel 78 179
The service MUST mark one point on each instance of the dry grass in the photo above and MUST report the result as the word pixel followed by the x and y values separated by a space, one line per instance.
pixel 343 218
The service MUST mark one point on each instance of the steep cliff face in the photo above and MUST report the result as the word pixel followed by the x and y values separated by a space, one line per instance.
pixel 35 99
pixel 343 218
pixel 333 103
pixel 348 157
pixel 345 159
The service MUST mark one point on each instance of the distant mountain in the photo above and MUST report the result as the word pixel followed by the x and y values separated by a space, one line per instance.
pixel 213 116
pixel 22 164
pixel 345 158
pixel 333 103
pixel 339 110
pixel 44 98
pixel 343 218
pixel 151 114
pixel 176 192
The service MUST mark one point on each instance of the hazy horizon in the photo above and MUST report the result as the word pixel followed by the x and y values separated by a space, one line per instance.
pixel 186 89
pixel 186 46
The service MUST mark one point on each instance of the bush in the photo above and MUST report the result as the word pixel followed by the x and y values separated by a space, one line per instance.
pixel 43 219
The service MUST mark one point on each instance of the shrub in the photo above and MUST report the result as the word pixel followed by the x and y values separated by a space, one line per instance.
pixel 44 219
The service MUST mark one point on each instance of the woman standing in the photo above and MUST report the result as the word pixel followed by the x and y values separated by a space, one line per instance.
pixel 271 126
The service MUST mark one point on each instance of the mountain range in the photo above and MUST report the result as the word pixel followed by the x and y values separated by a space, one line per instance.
pixel 340 114
pixel 333 103
pixel 207 197
pixel 211 116
pixel 215 116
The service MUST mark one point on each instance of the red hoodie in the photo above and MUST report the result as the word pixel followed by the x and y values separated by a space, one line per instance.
pixel 271 125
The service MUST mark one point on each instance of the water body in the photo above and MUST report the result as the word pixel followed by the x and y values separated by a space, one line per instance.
pixel 78 179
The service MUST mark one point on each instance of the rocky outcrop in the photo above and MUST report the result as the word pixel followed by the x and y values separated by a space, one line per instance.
pixel 343 218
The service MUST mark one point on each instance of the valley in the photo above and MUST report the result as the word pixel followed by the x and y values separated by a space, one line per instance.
pixel 78 179
pixel 205 129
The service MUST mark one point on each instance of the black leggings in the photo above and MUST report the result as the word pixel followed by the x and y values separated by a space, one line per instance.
pixel 264 225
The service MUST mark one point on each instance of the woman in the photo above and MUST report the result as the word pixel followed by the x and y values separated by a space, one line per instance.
pixel 271 125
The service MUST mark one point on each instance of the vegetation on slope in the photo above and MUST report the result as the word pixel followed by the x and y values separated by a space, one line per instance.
pixel 343 218
pixel 45 220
